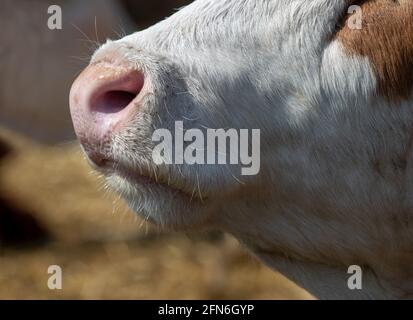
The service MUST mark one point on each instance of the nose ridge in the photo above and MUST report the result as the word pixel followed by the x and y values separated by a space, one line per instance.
pixel 101 103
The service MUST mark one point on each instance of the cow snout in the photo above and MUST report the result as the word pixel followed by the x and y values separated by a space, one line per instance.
pixel 102 102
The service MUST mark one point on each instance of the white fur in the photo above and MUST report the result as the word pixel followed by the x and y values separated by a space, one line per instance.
pixel 330 193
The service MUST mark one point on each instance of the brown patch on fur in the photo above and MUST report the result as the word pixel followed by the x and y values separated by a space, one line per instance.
pixel 386 38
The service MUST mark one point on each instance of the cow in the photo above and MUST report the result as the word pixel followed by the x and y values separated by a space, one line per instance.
pixel 332 100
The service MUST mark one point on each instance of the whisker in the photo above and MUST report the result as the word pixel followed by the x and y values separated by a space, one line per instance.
pixel 86 36
pixel 199 188
pixel 96 31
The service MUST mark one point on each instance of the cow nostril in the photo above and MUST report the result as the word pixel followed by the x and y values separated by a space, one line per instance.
pixel 102 102
pixel 113 101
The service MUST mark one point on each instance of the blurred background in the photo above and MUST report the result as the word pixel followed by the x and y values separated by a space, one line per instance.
pixel 55 211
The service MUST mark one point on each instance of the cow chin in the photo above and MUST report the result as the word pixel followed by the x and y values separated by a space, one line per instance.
pixel 162 205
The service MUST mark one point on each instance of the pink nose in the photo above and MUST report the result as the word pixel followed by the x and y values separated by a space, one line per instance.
pixel 101 104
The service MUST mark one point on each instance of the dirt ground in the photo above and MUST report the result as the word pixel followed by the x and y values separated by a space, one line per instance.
pixel 54 211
